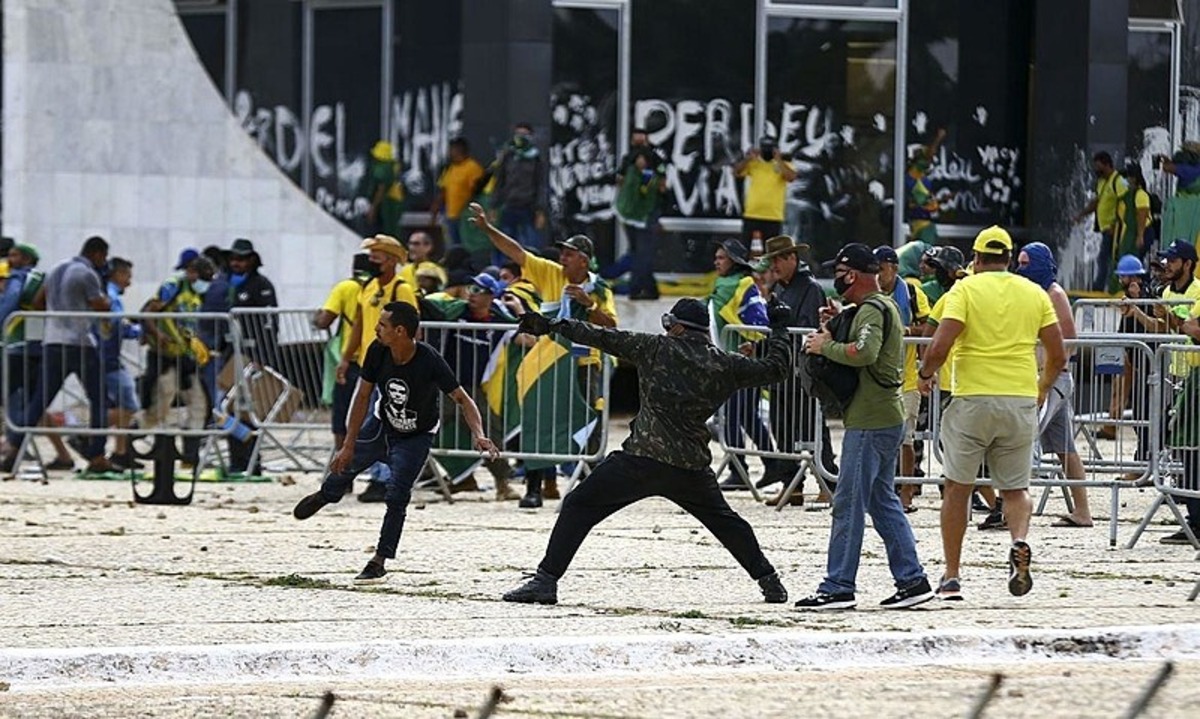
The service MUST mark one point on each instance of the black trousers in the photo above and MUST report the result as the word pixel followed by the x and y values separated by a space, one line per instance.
pixel 622 479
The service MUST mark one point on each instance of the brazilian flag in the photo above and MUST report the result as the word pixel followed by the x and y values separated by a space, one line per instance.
pixel 555 417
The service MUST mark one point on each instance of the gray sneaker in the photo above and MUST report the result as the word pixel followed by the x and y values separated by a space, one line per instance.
pixel 1019 559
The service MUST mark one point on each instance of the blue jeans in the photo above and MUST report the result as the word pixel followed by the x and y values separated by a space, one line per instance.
pixel 866 485
pixel 1104 261
pixel 58 363
pixel 454 231
pixel 643 250
pixel 405 457
pixel 742 415
pixel 517 223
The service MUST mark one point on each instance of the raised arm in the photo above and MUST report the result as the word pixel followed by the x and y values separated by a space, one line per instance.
pixel 637 347
pixel 507 245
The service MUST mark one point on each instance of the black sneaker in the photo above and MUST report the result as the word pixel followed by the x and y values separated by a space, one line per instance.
pixel 309 506
pixel 918 593
pixel 372 573
pixel 1019 559
pixel 1179 537
pixel 375 492
pixel 994 520
pixel 949 590
pixel 124 461
pixel 7 463
pixel 772 589
pixel 823 602
pixel 540 589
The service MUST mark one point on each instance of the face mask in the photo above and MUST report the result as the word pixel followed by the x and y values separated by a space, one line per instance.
pixel 840 285
pixel 375 269
pixel 1041 268
pixel 521 140
pixel 1100 173
pixel 768 152
pixel 237 280
pixel 201 286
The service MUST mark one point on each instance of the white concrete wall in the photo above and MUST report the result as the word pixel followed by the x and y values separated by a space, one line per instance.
pixel 112 127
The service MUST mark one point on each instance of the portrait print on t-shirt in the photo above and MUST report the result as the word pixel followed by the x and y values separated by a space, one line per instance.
pixel 409 394
pixel 395 409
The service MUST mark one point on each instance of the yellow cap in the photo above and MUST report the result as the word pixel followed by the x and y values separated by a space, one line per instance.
pixel 993 241
pixel 383 151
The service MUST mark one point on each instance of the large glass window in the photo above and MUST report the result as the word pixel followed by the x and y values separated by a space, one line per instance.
pixel 968 73
pixel 1148 109
pixel 268 86
pixel 207 30
pixel 693 90
pixel 583 115
pixel 831 93
pixel 426 109
pixel 347 60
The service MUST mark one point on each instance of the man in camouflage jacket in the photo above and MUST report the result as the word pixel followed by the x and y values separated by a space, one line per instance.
pixel 682 380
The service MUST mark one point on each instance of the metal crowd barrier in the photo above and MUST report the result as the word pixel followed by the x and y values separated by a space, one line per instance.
pixel 284 386
pixel 113 369
pixel 1104 315
pixel 785 425
pixel 1097 361
pixel 1175 439
pixel 537 401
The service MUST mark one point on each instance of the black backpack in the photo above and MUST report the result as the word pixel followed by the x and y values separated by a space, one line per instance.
pixel 834 384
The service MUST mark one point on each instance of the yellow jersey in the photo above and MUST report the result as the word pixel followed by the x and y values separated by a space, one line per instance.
pixel 910 350
pixel 343 303
pixel 1002 315
pixel 550 281
pixel 766 191
pixel 458 182
pixel 371 301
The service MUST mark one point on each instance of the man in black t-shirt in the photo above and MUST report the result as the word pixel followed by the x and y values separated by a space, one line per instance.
pixel 401 427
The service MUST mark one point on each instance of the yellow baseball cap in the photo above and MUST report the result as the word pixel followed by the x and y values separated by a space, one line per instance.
pixel 993 241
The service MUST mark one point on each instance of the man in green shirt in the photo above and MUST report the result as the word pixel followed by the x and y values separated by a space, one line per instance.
pixel 874 424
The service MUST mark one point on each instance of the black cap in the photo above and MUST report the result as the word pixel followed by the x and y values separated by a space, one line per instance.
pixel 884 253
pixel 459 278
pixel 691 313
pixel 856 256
pixel 579 243
pixel 1179 250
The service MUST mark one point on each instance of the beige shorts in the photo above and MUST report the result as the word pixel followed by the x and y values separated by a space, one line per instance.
pixel 911 402
pixel 998 430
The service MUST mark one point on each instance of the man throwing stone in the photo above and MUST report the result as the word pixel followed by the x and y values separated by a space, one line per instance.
pixel 874 430
pixel 994 320
pixel 682 380
pixel 401 429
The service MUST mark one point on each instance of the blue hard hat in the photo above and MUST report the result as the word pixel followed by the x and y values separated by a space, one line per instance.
pixel 1129 265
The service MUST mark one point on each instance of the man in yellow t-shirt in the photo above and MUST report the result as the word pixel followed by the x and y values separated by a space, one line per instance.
pixel 994 320
pixel 767 175
pixel 568 289
pixel 1110 188
pixel 456 187
pixel 419 252
pixel 342 307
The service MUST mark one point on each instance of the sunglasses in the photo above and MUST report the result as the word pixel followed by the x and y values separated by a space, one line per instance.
pixel 477 290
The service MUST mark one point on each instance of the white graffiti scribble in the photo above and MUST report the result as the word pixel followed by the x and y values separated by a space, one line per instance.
pixel 981 115
pixel 920 121
pixel 582 162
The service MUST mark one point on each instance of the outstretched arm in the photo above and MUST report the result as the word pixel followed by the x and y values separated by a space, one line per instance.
pixel 507 245
pixel 774 367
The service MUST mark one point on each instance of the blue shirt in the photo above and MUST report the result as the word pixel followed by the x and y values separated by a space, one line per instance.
pixel 903 301
pixel 11 298
pixel 112 329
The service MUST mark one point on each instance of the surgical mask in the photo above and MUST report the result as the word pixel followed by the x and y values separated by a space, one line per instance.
pixel 237 280
pixel 840 285
pixel 374 269
pixel 201 286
